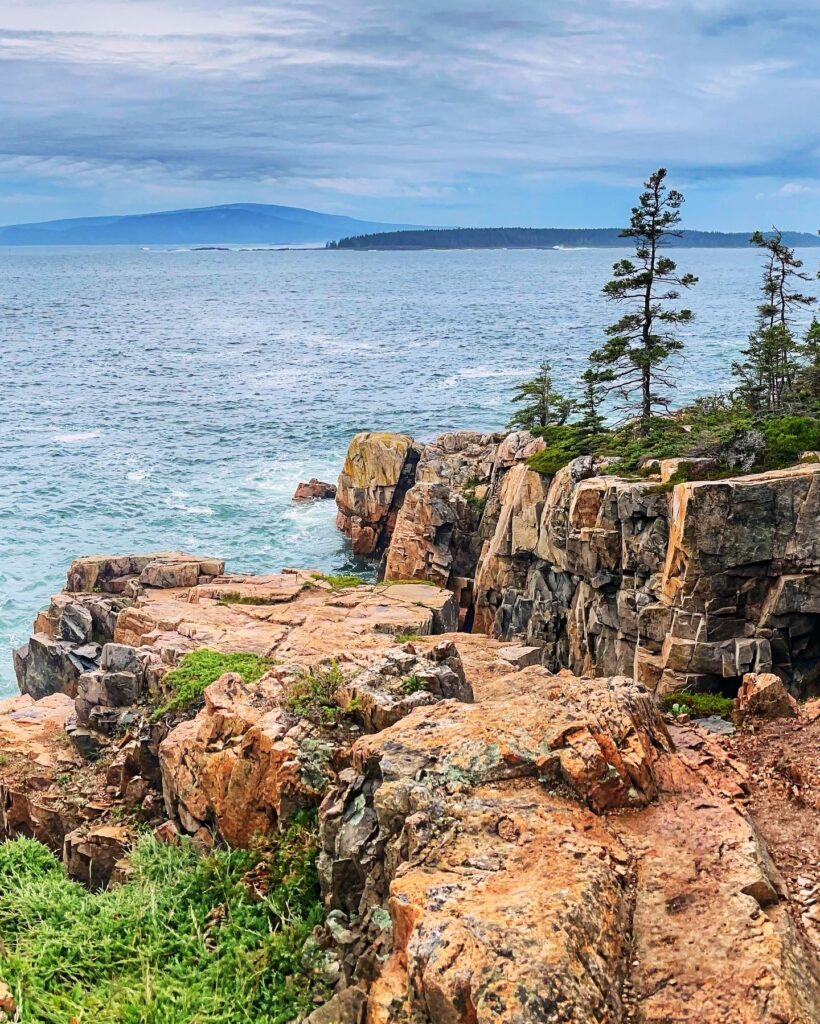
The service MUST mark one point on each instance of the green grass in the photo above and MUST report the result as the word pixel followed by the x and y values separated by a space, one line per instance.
pixel 406 636
pixel 234 598
pixel 402 583
pixel 698 705
pixel 185 684
pixel 411 684
pixel 312 695
pixel 340 582
pixel 187 940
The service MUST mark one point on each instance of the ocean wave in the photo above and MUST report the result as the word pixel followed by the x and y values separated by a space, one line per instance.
pixel 77 438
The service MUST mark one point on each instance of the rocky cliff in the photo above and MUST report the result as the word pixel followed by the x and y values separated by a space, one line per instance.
pixel 511 830
pixel 680 586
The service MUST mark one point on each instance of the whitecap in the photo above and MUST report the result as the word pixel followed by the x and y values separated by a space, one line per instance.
pixel 485 372
pixel 137 475
pixel 78 438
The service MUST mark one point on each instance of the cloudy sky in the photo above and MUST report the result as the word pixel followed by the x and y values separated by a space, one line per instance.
pixel 531 112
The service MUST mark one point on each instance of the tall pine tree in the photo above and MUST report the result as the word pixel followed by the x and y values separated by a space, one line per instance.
pixel 769 371
pixel 633 362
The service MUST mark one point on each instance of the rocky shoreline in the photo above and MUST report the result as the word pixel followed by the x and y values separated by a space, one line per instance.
pixel 511 829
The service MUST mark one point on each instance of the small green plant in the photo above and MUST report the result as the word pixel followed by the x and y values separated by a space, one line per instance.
pixel 412 684
pixel 234 598
pixel 406 636
pixel 340 582
pixel 63 779
pixel 312 695
pixel 211 939
pixel 406 582
pixel 469 490
pixel 698 705
pixel 4 759
pixel 198 669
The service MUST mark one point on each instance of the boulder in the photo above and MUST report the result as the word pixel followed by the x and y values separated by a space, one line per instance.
pixel 44 666
pixel 763 696
pixel 314 490
pixel 91 853
pixel 246 762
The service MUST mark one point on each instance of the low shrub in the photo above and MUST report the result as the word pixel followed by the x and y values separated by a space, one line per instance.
pixel 185 684
pixel 787 437
pixel 312 695
pixel 212 939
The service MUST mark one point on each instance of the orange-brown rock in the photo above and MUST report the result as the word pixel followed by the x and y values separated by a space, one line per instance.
pixel 36 752
pixel 434 537
pixel 376 473
pixel 692 585
pixel 7 1004
pixel 91 853
pixel 314 490
pixel 112 573
pixel 764 696
pixel 243 763
pixel 465 885
pixel 298 616
pixel 247 761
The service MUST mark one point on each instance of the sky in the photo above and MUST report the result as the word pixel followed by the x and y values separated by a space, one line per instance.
pixel 468 112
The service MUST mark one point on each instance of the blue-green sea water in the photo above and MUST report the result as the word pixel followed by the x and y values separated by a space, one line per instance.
pixel 173 399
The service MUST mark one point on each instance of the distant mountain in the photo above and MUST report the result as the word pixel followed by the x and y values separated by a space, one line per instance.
pixel 546 238
pixel 235 224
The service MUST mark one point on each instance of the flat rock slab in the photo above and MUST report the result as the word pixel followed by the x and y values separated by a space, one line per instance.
pixel 298 615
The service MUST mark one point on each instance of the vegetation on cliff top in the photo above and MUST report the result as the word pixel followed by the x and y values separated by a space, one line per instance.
pixel 765 423
pixel 185 685
pixel 213 939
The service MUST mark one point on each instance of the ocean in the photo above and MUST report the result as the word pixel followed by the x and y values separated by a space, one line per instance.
pixel 173 398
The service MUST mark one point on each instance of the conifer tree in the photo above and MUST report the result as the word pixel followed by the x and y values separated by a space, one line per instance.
pixel 541 405
pixel 632 363
pixel 809 351
pixel 591 421
pixel 769 370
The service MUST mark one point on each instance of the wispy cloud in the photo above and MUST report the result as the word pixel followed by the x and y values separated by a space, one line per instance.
pixel 437 103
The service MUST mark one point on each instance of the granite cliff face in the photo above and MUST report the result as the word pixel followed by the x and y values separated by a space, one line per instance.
pixel 511 831
pixel 690 585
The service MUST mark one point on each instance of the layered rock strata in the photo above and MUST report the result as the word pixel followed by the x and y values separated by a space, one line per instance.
pixel 691 585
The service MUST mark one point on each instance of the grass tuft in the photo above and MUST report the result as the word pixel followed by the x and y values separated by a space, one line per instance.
pixel 698 705
pixel 234 598
pixel 340 582
pixel 185 684
pixel 411 684
pixel 213 939
pixel 406 636
pixel 312 695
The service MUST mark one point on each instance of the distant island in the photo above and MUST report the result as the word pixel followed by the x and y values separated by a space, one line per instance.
pixel 234 224
pixel 547 238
